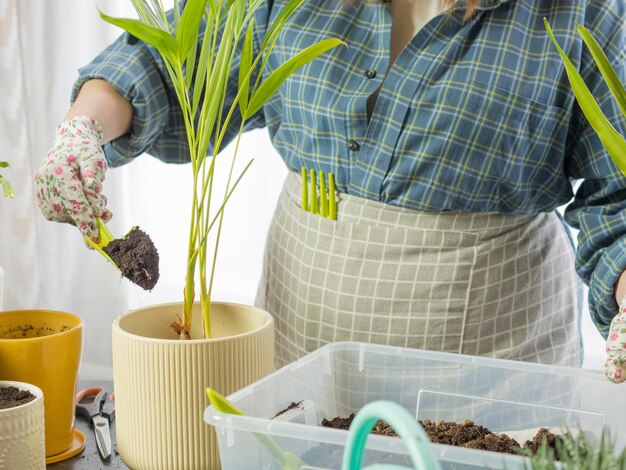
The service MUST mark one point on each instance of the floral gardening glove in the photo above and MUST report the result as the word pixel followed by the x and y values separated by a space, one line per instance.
pixel 68 184
pixel 615 365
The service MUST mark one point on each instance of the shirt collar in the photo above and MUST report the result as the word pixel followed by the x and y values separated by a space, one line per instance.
pixel 490 4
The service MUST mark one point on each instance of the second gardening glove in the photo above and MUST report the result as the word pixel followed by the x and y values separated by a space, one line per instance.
pixel 615 365
pixel 68 184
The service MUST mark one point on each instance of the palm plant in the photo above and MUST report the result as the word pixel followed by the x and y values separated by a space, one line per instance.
pixel 612 140
pixel 199 63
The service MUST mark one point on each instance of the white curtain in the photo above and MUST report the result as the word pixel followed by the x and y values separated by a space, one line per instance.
pixel 42 45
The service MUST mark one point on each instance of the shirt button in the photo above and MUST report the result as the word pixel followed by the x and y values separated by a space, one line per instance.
pixel 353 145
pixel 369 73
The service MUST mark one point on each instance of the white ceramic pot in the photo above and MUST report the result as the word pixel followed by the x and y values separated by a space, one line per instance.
pixel 160 381
pixel 22 437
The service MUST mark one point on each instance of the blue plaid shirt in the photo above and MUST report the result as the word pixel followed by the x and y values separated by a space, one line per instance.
pixel 473 116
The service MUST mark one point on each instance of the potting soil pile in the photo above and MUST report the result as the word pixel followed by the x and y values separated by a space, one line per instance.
pixel 465 434
pixel 136 256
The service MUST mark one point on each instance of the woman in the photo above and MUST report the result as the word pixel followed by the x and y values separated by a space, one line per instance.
pixel 453 136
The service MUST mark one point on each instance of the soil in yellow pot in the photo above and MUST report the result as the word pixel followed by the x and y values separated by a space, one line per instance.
pixel 43 347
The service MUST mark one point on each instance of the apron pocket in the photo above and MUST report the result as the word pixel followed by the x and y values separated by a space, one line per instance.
pixel 328 281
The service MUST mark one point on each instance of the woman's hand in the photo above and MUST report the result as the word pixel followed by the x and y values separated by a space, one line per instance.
pixel 615 365
pixel 68 184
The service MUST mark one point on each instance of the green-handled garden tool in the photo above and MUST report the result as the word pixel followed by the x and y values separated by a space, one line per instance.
pixel 325 203
pixel 105 239
pixel 286 460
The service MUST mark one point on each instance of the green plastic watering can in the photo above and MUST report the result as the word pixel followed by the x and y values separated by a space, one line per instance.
pixel 404 424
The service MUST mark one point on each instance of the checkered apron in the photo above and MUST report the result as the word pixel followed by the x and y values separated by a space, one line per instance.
pixel 486 284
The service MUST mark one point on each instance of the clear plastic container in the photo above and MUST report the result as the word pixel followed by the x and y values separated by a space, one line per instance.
pixel 338 379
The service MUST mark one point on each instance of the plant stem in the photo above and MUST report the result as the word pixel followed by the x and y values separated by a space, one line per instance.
pixel 219 227
pixel 189 291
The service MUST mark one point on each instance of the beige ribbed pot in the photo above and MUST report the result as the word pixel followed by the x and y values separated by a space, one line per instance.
pixel 22 437
pixel 160 381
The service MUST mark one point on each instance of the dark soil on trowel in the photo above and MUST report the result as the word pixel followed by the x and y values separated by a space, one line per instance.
pixel 11 397
pixel 137 258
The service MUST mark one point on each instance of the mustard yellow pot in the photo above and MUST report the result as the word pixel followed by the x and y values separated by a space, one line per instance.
pixel 43 347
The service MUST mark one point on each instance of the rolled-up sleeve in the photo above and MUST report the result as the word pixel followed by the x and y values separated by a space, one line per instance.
pixel 599 207
pixel 136 71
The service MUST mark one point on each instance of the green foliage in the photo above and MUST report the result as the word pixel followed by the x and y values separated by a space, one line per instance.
pixel 614 143
pixel 7 190
pixel 579 453
pixel 199 68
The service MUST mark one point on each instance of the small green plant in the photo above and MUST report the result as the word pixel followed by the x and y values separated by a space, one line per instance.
pixel 7 190
pixel 199 66
pixel 612 140
pixel 578 453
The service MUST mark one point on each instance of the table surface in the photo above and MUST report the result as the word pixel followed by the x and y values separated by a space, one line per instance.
pixel 89 459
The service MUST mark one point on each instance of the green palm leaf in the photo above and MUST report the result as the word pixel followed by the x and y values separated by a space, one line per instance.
pixel 189 25
pixel 278 76
pixel 279 21
pixel 614 143
pixel 245 68
pixel 155 37
pixel 607 71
